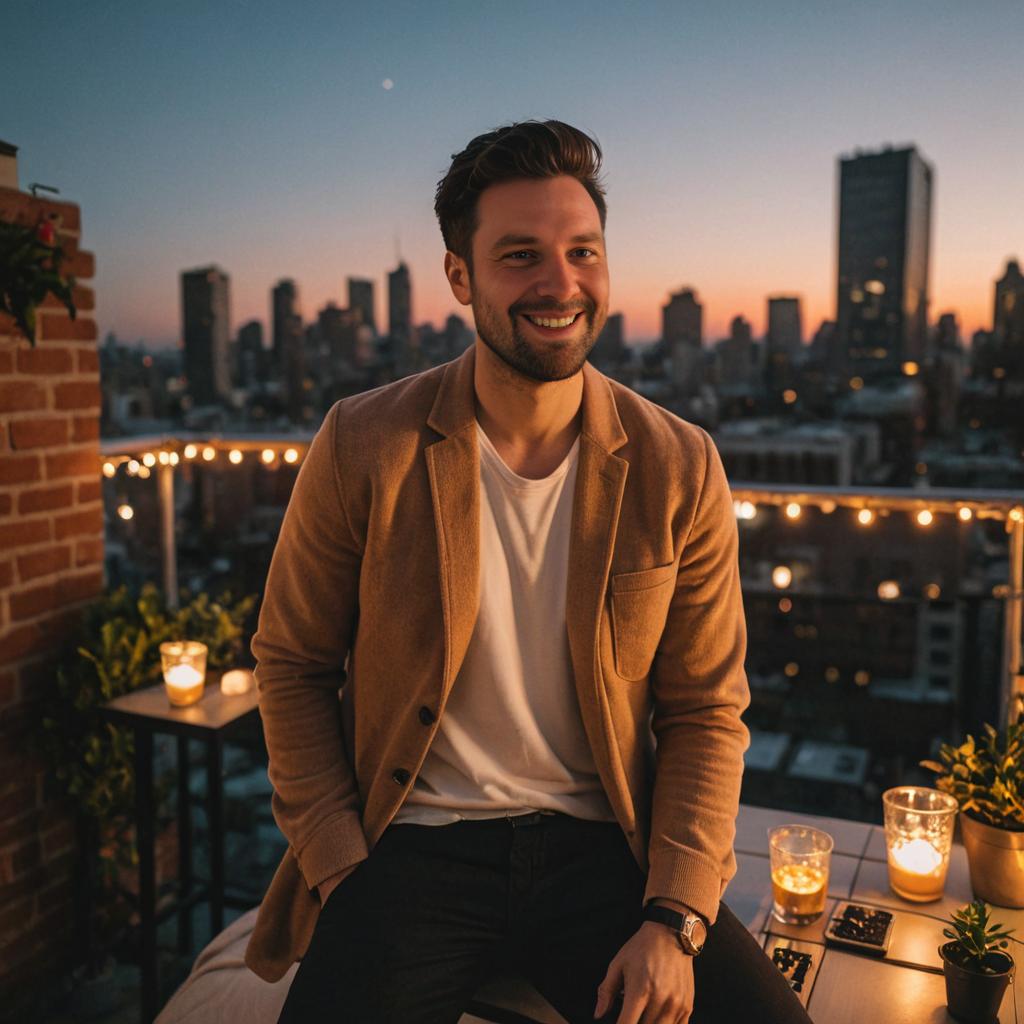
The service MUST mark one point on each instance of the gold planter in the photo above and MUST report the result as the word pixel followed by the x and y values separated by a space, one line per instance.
pixel 996 859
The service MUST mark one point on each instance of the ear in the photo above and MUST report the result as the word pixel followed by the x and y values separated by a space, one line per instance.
pixel 457 272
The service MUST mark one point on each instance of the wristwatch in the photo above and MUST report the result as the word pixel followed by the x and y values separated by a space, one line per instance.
pixel 690 929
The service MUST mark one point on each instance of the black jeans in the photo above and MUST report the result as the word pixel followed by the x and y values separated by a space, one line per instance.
pixel 412 933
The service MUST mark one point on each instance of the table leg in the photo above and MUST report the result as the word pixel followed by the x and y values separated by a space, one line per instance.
pixel 215 800
pixel 147 873
pixel 185 877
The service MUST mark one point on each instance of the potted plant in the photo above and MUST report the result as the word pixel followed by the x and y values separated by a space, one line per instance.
pixel 975 964
pixel 987 779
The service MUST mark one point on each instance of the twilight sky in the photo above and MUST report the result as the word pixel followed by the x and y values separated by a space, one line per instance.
pixel 260 136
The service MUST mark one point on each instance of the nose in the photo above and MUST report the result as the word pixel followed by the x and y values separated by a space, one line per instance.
pixel 557 279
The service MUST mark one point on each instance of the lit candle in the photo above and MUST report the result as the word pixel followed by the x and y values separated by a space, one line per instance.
pixel 917 871
pixel 184 684
pixel 235 682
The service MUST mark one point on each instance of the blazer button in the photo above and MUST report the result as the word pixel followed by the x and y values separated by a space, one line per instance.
pixel 401 776
pixel 427 716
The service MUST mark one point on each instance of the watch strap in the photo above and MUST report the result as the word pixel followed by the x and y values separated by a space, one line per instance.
pixel 680 923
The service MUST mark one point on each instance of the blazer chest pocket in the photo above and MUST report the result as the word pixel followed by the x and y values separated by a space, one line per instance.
pixel 640 602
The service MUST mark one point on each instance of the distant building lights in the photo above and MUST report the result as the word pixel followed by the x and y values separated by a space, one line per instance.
pixel 109 469
pixel 291 455
pixel 874 287
pixel 191 451
pixel 861 677
pixel 932 591
pixel 149 459
pixel 789 396
pixel 856 383
pixel 924 517
pixel 267 455
pixel 208 454
pixel 921 468
pixel 831 674
pixel 125 511
pixel 998 373
pixel 828 507
pixel 911 369
pixel 234 456
pixel 791 669
pixel 793 510
pixel 782 576
pixel 865 517
pixel 133 467
pixel 785 606
pixel 888 590
pixel 964 514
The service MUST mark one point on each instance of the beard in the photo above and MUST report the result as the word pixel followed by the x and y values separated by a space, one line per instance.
pixel 538 359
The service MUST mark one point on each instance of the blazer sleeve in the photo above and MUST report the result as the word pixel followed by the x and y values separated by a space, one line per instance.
pixel 303 636
pixel 699 691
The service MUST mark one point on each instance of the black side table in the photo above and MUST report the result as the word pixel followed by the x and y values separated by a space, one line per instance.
pixel 147 712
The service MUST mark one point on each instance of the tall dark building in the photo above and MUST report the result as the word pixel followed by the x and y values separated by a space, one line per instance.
pixel 284 308
pixel 682 330
pixel 400 315
pixel 360 296
pixel 783 343
pixel 252 357
pixel 205 328
pixel 1008 321
pixel 610 347
pixel 885 202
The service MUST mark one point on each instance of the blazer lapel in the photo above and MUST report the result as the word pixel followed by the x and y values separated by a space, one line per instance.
pixel 453 465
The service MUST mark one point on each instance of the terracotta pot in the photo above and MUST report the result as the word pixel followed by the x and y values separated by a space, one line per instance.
pixel 996 860
pixel 972 997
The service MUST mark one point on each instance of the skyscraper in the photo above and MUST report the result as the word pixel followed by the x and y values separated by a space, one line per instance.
pixel 783 343
pixel 284 307
pixel 252 358
pixel 885 202
pixel 682 332
pixel 205 329
pixel 360 296
pixel 1008 321
pixel 610 347
pixel 400 315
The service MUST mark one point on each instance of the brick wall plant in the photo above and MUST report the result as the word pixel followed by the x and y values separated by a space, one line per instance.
pixel 51 565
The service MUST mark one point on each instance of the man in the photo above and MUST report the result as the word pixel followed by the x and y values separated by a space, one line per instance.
pixel 526 577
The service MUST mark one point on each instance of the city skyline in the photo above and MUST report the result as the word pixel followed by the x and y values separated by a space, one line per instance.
pixel 722 145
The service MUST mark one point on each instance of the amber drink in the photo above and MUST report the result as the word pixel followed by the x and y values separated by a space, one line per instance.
pixel 799 858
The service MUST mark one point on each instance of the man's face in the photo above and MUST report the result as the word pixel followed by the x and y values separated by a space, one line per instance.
pixel 538 255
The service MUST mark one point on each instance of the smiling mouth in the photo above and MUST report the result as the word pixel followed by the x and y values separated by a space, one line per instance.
pixel 552 325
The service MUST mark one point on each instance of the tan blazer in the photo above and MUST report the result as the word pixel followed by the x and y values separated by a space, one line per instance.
pixel 378 563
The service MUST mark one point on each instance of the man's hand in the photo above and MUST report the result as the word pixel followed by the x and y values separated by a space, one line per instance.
pixel 657 977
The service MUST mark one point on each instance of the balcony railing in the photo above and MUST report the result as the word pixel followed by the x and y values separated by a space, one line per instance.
pixel 159 455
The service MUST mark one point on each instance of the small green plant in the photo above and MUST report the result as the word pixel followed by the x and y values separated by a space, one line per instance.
pixel 975 938
pixel 115 650
pixel 30 269
pixel 986 778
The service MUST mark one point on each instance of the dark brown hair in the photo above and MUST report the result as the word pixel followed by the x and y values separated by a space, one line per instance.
pixel 526 149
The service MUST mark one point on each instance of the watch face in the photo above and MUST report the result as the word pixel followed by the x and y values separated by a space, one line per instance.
pixel 698 933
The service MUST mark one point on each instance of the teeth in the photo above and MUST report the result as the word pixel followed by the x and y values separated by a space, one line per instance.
pixel 546 322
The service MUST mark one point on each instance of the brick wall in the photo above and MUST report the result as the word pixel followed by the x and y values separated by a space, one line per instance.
pixel 51 561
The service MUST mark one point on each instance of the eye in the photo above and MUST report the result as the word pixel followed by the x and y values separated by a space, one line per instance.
pixel 521 252
pixel 588 252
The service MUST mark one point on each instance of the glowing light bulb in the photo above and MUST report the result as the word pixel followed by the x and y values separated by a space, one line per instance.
pixel 291 455
pixel 865 517
pixel 782 576
pixel 924 517
pixel 191 451
pixel 888 590
pixel 791 669
pixel 149 459
pixel 965 514
pixel 208 454
pixel 133 467
pixel 109 469
pixel 164 458
pixel 267 455
pixel 793 510
pixel 125 511
pixel 234 456
pixel 173 458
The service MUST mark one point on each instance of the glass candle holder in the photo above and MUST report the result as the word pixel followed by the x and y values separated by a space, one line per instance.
pixel 799 856
pixel 184 665
pixel 918 837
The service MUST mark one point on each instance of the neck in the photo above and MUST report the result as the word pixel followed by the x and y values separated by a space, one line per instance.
pixel 523 414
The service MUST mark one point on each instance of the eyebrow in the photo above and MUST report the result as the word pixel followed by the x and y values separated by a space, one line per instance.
pixel 513 239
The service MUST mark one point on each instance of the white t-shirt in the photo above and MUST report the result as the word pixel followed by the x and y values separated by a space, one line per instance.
pixel 511 739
